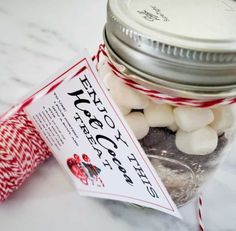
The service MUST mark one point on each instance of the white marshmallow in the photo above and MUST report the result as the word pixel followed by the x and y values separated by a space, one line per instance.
pixel 108 79
pixel 200 142
pixel 119 67
pixel 190 118
pixel 137 124
pixel 126 96
pixel 223 119
pixel 103 69
pixel 173 127
pixel 124 110
pixel 159 115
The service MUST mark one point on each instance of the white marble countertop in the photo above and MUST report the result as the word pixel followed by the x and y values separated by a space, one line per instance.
pixel 37 38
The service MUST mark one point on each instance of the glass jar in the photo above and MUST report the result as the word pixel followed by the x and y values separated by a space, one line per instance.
pixel 175 85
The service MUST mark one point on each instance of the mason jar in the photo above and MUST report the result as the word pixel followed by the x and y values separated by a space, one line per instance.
pixel 171 70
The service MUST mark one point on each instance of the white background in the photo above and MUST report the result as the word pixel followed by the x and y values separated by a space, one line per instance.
pixel 36 38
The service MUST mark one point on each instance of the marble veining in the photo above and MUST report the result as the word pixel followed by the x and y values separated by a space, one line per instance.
pixel 37 38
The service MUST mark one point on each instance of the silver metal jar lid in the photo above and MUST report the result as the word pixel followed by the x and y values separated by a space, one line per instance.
pixel 189 45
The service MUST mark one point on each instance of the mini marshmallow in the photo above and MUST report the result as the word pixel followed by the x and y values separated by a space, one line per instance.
pixel 103 69
pixel 173 127
pixel 223 119
pixel 126 96
pixel 137 124
pixel 124 110
pixel 200 142
pixel 108 79
pixel 159 115
pixel 119 67
pixel 190 118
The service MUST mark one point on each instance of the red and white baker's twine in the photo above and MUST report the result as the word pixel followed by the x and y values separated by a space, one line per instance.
pixel 156 95
pixel 201 226
pixel 21 151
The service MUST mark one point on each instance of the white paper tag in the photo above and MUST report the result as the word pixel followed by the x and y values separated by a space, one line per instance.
pixel 92 142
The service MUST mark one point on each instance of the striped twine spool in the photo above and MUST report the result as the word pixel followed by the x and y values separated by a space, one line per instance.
pixel 21 147
pixel 21 151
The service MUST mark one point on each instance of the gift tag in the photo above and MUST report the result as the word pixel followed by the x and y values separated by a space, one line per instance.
pixel 92 142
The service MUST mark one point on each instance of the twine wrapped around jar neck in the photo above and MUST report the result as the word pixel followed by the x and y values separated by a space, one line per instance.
pixel 158 95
